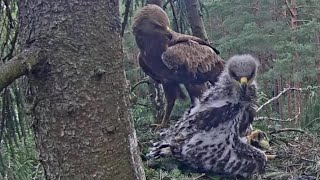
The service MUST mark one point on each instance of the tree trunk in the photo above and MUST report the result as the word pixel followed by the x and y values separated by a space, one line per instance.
pixel 289 100
pixel 280 100
pixel 257 7
pixel 195 19
pixel 318 56
pixel 157 2
pixel 83 126
pixel 294 25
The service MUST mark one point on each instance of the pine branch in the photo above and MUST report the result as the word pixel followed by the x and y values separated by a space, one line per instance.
pixel 8 13
pixel 18 66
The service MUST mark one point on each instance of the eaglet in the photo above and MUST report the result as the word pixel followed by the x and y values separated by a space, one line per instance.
pixel 207 138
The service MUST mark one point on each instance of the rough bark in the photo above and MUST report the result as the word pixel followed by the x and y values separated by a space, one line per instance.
pixel 81 115
pixel 195 19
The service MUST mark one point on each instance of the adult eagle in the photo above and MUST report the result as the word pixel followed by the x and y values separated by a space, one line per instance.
pixel 172 58
pixel 208 137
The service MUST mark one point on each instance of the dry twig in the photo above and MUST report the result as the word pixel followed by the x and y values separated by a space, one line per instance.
pixel 287 130
pixel 145 80
pixel 278 96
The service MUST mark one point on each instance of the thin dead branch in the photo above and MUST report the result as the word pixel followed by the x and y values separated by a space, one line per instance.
pixel 278 96
pixel 287 130
pixel 164 7
pixel 9 13
pixel 145 80
pixel 273 119
pixel 290 8
pixel 311 122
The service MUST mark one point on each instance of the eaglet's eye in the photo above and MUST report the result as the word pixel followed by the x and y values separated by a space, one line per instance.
pixel 234 76
pixel 251 75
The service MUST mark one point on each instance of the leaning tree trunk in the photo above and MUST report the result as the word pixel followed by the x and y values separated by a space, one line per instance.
pixel 81 115
pixel 195 19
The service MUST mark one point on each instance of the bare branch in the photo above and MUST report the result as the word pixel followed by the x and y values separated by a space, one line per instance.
pixel 145 80
pixel 287 130
pixel 18 66
pixel 273 119
pixel 311 122
pixel 283 92
pixel 290 9
pixel 164 7
pixel 277 97
pixel 277 119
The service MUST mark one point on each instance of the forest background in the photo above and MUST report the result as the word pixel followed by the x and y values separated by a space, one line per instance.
pixel 283 34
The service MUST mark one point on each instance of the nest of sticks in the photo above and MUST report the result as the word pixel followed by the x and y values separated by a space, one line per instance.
pixel 298 155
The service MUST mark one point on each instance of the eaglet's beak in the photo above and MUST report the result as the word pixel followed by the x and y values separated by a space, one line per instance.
pixel 243 84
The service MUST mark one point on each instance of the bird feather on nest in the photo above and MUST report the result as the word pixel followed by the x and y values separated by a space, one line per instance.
pixel 207 138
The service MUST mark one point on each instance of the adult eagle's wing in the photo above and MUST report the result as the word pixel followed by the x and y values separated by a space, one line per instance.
pixel 178 38
pixel 189 56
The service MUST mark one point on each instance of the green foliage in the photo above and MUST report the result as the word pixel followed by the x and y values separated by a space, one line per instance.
pixel 311 113
pixel 18 158
pixel 264 29
pixel 20 162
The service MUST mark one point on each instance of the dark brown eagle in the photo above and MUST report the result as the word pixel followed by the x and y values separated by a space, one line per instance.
pixel 208 136
pixel 172 58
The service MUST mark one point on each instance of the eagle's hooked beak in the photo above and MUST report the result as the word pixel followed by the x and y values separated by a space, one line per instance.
pixel 169 32
pixel 243 84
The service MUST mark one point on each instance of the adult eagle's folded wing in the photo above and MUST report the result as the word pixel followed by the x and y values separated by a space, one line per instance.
pixel 190 58
pixel 178 38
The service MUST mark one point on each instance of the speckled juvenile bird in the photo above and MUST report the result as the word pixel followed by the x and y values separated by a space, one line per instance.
pixel 207 137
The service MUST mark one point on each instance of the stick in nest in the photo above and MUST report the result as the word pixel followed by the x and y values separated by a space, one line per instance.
pixel 287 130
